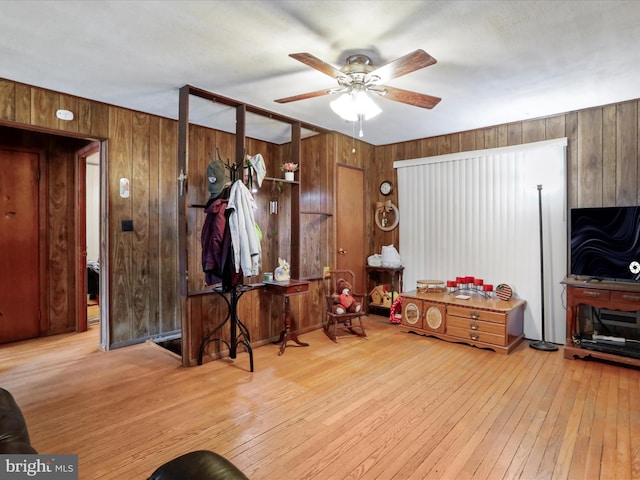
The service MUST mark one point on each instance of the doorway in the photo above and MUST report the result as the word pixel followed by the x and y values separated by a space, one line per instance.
pixel 52 166
pixel 92 234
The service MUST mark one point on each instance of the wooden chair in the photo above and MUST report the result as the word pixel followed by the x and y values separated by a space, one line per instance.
pixel 350 321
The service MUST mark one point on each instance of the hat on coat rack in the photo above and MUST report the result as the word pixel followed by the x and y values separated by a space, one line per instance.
pixel 216 177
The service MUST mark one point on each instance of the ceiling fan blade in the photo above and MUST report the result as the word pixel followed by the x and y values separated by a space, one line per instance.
pixel 303 96
pixel 314 62
pixel 401 66
pixel 412 98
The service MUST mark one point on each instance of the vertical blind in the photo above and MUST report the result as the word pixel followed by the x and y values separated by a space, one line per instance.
pixel 476 214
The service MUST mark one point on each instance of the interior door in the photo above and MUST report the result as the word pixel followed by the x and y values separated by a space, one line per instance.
pixel 350 222
pixel 19 248
pixel 81 233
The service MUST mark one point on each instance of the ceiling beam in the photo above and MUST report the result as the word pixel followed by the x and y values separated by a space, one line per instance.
pixel 199 92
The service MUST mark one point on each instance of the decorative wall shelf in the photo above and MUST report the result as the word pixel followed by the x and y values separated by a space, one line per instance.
pixel 326 214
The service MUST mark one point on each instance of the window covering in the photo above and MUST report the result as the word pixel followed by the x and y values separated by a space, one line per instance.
pixel 476 214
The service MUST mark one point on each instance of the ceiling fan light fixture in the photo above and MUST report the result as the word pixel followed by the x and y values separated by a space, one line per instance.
pixel 349 106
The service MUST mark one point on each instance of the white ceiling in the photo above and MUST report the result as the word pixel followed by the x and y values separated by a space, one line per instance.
pixel 498 61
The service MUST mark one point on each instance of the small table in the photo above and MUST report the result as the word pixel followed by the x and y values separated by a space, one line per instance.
pixel 287 289
pixel 395 273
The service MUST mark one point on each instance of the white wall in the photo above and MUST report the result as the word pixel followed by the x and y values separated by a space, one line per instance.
pixel 93 206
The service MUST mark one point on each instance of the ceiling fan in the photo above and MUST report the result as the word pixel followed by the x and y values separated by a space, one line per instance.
pixel 360 75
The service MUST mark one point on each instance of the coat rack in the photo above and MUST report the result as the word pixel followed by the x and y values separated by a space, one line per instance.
pixel 241 109
pixel 239 335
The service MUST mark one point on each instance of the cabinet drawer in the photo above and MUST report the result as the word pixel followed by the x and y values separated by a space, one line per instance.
pixel 476 325
pixel 476 335
pixel 626 297
pixel 591 294
pixel 477 314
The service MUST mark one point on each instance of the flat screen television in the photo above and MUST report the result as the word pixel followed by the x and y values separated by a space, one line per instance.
pixel 605 243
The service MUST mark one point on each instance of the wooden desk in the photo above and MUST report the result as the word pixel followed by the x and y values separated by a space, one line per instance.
pixel 286 290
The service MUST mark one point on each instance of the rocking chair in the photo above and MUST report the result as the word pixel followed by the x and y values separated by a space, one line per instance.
pixel 350 321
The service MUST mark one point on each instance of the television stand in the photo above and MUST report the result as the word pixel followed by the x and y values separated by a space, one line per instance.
pixel 624 347
pixel 619 296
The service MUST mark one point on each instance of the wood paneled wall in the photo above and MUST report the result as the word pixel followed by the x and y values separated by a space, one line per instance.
pixel 316 204
pixel 142 263
pixel 260 312
pixel 143 274
pixel 602 155
pixel 143 277
pixel 202 148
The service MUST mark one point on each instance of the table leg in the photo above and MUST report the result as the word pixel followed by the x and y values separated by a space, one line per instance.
pixel 287 334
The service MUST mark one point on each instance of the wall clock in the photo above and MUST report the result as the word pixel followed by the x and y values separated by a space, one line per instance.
pixel 386 188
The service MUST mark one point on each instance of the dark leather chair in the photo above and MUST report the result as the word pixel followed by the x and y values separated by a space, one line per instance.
pixel 14 436
pixel 198 465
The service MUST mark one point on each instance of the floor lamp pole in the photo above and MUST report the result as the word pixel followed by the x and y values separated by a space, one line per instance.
pixel 542 344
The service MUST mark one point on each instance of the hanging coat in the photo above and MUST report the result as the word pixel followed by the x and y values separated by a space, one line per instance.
pixel 247 252
pixel 216 246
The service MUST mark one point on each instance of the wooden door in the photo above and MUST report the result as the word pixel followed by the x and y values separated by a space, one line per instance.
pixel 350 223
pixel 19 248
pixel 81 233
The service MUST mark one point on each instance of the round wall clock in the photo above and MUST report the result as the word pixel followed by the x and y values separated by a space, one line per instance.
pixel 386 188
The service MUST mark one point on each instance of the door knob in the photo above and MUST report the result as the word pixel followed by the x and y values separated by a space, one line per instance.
pixel 342 251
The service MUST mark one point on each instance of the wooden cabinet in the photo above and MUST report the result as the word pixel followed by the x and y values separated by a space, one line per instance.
pixel 478 325
pixel 621 297
pixel 412 313
pixel 423 315
pixel 478 321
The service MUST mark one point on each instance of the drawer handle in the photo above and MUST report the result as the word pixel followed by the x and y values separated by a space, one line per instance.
pixel 474 336
pixel 298 288
pixel 591 294
pixel 474 326
pixel 633 298
pixel 474 315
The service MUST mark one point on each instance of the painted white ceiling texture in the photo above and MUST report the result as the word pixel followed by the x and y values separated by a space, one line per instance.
pixel 497 61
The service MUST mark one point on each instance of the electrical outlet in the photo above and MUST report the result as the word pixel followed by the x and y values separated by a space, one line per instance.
pixel 127 225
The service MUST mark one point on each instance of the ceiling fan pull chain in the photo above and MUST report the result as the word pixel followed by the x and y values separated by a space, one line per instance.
pixel 353 137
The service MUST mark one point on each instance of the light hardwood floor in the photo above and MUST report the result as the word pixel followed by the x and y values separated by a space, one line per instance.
pixel 392 406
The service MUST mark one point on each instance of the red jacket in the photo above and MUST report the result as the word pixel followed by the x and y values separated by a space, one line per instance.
pixel 216 246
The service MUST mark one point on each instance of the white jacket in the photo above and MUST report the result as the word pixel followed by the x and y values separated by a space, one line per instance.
pixel 247 253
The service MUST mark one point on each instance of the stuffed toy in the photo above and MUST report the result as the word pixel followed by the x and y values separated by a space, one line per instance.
pixel 343 300
pixel 281 273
